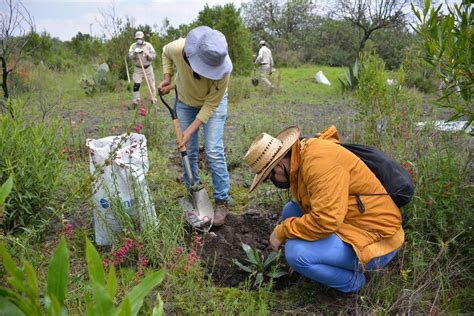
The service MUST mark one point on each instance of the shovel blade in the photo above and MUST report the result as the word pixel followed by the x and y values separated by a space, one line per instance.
pixel 197 208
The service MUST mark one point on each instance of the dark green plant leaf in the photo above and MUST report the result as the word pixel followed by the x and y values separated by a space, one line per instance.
pixel 94 264
pixel 16 278
pixel 158 310
pixel 271 257
pixel 241 266
pixel 8 308
pixel 54 308
pixel 5 189
pixel 250 253
pixel 112 282
pixel 277 274
pixel 58 272
pixel 258 279
pixel 32 281
pixel 125 308
pixel 139 292
pixel 103 303
pixel 19 301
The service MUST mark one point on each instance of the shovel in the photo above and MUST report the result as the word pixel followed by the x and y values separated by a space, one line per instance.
pixel 196 206
pixel 146 80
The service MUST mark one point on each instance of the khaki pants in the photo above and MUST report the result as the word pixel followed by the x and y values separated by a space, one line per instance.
pixel 139 77
pixel 264 74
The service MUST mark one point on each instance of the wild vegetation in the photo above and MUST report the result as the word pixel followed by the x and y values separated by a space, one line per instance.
pixel 46 210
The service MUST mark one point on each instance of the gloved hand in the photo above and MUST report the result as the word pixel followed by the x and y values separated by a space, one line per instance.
pixel 137 50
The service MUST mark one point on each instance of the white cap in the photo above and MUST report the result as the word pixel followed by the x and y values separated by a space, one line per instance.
pixel 262 42
pixel 139 35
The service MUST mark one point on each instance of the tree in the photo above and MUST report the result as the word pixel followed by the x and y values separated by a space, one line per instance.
pixel 15 23
pixel 290 20
pixel 449 46
pixel 372 15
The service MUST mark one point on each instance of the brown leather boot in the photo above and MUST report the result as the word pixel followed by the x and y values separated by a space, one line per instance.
pixel 220 213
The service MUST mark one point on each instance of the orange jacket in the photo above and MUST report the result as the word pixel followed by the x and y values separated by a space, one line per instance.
pixel 323 174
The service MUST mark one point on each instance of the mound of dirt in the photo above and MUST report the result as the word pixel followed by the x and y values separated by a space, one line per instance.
pixel 223 244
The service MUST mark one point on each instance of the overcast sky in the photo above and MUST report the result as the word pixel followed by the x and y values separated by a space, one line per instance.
pixel 64 18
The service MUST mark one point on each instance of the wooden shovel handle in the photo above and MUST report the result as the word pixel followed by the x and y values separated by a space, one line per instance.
pixel 179 134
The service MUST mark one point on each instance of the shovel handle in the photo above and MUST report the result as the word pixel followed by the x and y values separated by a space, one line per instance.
pixel 179 134
pixel 146 80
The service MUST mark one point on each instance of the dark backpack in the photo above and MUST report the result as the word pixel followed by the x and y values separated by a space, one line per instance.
pixel 391 174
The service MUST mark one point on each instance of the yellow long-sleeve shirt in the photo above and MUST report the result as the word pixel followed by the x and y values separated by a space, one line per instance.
pixel 203 93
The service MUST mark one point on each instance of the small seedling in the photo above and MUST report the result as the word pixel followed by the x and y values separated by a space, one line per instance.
pixel 259 265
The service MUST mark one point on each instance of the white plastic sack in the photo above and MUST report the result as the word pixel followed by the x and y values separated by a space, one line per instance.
pixel 453 126
pixel 121 186
pixel 321 78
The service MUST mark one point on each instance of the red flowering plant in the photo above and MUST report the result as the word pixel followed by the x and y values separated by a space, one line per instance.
pixel 188 259
pixel 130 252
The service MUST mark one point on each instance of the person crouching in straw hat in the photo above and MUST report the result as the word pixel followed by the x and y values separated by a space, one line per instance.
pixel 203 69
pixel 326 237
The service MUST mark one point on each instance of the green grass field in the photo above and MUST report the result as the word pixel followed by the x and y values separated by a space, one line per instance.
pixel 428 276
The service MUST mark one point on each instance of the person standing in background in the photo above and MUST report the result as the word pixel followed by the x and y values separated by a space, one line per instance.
pixel 144 51
pixel 264 60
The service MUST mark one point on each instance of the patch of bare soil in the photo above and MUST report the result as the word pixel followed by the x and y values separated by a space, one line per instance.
pixel 223 244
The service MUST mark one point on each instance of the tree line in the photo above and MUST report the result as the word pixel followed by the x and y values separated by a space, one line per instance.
pixel 297 31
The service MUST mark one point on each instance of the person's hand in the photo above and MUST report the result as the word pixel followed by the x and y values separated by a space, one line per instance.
pixel 185 140
pixel 274 242
pixel 165 86
pixel 137 50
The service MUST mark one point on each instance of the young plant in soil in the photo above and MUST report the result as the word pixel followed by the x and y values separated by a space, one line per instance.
pixel 259 265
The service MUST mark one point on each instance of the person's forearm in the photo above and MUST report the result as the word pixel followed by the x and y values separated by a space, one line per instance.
pixel 167 78
pixel 194 126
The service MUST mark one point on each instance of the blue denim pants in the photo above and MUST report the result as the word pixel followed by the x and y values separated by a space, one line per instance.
pixel 213 146
pixel 330 260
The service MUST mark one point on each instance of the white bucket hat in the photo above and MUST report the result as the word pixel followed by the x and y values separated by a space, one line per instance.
pixel 266 151
pixel 206 50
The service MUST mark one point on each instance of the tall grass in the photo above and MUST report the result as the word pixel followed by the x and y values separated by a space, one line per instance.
pixel 31 150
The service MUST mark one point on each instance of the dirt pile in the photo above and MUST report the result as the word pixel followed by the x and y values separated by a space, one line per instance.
pixel 223 244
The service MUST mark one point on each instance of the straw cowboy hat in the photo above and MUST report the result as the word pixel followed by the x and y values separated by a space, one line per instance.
pixel 266 151
pixel 206 50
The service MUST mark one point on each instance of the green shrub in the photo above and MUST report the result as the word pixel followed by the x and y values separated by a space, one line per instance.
pixel 386 109
pixel 31 151
pixel 441 210
pixel 102 80
pixel 418 73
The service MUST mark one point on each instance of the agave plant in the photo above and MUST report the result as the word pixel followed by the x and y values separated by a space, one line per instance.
pixel 259 266
pixel 351 81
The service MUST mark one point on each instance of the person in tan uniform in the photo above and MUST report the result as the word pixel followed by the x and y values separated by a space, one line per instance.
pixel 264 61
pixel 326 237
pixel 202 75
pixel 144 51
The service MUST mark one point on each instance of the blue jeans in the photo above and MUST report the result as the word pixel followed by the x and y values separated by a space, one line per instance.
pixel 330 260
pixel 213 146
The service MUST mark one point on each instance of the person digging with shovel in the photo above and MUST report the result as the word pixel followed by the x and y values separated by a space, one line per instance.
pixel 203 69
pixel 142 55
pixel 327 237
